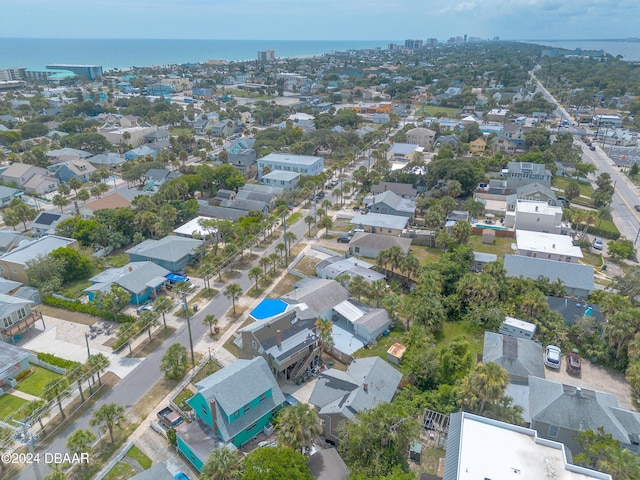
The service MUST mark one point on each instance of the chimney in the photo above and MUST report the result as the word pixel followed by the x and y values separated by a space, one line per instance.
pixel 365 386
pixel 279 338
pixel 578 392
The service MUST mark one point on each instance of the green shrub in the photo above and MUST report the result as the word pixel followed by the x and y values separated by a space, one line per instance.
pixel 88 309
pixel 57 361
pixel 23 374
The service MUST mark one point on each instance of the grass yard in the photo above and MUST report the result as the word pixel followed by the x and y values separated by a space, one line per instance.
pixel 182 397
pixel 210 368
pixel 75 289
pixel 426 255
pixel 34 384
pixel 474 334
pixel 284 286
pixel 382 345
pixel 500 247
pixel 9 404
pixel 294 218
pixel 138 456
pixel 591 258
pixel 121 471
pixel 307 265
pixel 585 187
pixel 432 111
pixel 118 259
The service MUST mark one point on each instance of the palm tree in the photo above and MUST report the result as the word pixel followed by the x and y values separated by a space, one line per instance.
pixel 222 464
pixel 108 416
pixel 603 213
pixel 255 273
pixel 298 427
pixel 174 361
pixel 533 302
pixel 620 463
pixel 378 289
pixel 309 221
pixel 35 410
pixel 80 441
pixel 233 293
pixel 358 286
pixel 97 364
pixel 54 390
pixel 163 305
pixel 273 258
pixel 77 375
pixel 326 223
pixel 60 201
pixel 280 247
pixel 264 263
pixel 149 319
pixel 83 195
pixel 382 260
pixel 75 184
pixel 210 321
pixel 289 238
pixel 324 327
pixel 489 380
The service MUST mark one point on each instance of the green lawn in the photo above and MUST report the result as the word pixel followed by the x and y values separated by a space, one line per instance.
pixel 432 111
pixel 425 254
pixel 294 218
pixel 585 187
pixel 181 399
pixel 118 259
pixel 75 289
pixel 121 471
pixel 141 458
pixel 591 258
pixel 382 345
pixel 34 384
pixel 9 404
pixel 500 247
pixel 450 330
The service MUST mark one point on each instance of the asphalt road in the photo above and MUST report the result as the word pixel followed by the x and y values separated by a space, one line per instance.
pixel 131 389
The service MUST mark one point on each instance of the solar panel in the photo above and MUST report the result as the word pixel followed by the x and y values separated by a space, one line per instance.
pixel 47 218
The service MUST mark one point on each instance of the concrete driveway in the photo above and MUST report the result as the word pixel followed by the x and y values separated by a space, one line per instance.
pixel 595 377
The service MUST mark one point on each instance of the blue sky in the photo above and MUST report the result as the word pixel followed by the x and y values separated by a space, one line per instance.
pixel 320 19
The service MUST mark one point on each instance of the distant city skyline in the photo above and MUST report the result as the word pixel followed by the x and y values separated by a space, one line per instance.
pixel 321 20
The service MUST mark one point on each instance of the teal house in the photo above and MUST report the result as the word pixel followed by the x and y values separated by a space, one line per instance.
pixel 232 406
pixel 142 280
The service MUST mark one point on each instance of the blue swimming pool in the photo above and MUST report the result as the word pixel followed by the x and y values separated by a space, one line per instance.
pixel 268 308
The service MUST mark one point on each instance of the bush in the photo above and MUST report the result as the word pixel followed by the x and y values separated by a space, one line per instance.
pixel 602 232
pixel 171 435
pixel 88 309
pixel 57 361
pixel 23 374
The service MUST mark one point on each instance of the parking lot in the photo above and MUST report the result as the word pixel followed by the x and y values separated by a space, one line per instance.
pixel 595 377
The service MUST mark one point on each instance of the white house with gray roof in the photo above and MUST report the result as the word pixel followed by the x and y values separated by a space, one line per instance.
pixel 368 245
pixel 389 203
pixel 576 278
pixel 286 162
pixel 13 265
pixel 171 252
pixel 335 266
pixel 13 361
pixel 318 297
pixel 17 318
pixel 286 180
pixel 524 173
pixel 339 395
pixel 380 223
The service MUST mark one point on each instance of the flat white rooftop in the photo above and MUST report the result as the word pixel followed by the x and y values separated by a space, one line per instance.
pixel 541 208
pixel 497 451
pixel 547 243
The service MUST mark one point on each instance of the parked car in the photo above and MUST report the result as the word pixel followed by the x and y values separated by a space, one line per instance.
pixel 597 243
pixel 144 308
pixel 574 363
pixel 592 148
pixel 180 476
pixel 553 357
pixel 637 207
pixel 290 400
pixel 344 239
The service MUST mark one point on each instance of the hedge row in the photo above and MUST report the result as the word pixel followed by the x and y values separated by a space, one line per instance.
pixel 602 232
pixel 88 309
pixel 57 361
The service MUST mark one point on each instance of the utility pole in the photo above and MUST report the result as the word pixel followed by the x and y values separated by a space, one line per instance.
pixel 24 436
pixel 186 311
pixel 284 226
pixel 86 337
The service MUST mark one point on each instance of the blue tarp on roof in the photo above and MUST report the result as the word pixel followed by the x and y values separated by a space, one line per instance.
pixel 175 278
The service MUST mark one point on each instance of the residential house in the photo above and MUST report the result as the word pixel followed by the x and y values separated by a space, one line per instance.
pixel 365 322
pixel 479 447
pixel 502 143
pixel 268 198
pixel 523 173
pixel 369 245
pixel 338 266
pixel 575 311
pixel 29 178
pixel 425 137
pixel 478 145
pixel 303 164
pixel 171 252
pixel 520 357
pixel 327 464
pixel 452 140
pixel 7 194
pixel 141 151
pixel 212 211
pixel 515 133
pixel 256 187
pixel 537 217
pixel 532 192
pixel 246 205
pixel 79 168
pixel 158 471
pixel 548 246
pixel 66 155
pixel 482 259
pixel 497 115
pixel 17 318
pixel 559 412
pixel 287 180
pixel 156 177
pixel 339 395
pixel 577 279
pixel 126 132
pixel 46 222
pixel 318 297
pixel 287 342
pixel 231 406
pixel 388 203
pixel 13 265
pixel 143 280
pixel 10 239
pixel 109 160
pixel 110 201
pixel 380 223
pixel 13 361
pixel 404 152
pixel 403 190
pixel 223 128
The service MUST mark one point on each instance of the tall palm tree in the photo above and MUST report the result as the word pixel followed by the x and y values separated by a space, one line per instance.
pixel 233 293
pixel 222 464
pixel 54 390
pixel 163 305
pixel 489 380
pixel 255 273
pixel 264 263
pixel 298 427
pixel 80 441
pixel 108 416
pixel 309 221
pixel 210 321
pixel 77 375
pixel 97 364
pixel 324 327
pixel 273 258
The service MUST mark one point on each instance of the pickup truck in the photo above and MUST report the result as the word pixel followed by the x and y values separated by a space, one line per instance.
pixel 170 419
pixel 573 363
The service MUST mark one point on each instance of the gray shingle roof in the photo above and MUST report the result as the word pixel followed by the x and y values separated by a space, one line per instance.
pixel 380 220
pixel 379 242
pixel 10 355
pixel 133 277
pixel 519 356
pixel 320 296
pixel 41 246
pixel 397 188
pixel 573 275
pixel 392 200
pixel 171 248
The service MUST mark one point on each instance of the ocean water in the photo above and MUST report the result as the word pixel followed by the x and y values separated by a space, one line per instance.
pixel 126 53
pixel 629 50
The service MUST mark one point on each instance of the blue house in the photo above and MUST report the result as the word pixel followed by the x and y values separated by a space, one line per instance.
pixel 141 279
pixel 171 252
pixel 142 151
pixel 232 406
pixel 13 361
